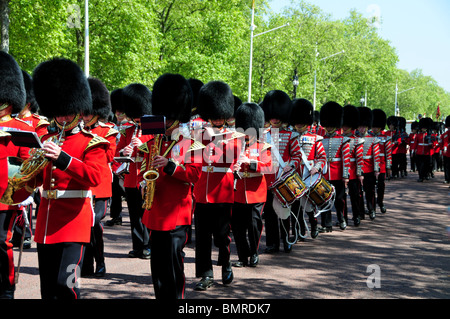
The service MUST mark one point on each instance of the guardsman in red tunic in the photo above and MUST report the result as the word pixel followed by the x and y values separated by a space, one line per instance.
pixel 286 156
pixel 392 123
pixel 76 158
pixel 137 101
pixel 169 200
pixel 403 141
pixel 251 186
pixel 445 141
pixel 424 145
pixel 12 100
pixel 301 119
pixel 412 146
pixel 371 156
pixel 5 137
pixel 349 126
pixel 101 108
pixel 214 192
pixel 385 146
pixel 337 149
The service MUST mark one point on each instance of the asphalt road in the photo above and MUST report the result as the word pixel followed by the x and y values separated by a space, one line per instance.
pixel 403 254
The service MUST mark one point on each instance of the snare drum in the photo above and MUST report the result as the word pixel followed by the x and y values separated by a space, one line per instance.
pixel 320 190
pixel 288 188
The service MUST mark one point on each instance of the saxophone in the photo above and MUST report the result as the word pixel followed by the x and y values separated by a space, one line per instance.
pixel 152 174
pixel 20 172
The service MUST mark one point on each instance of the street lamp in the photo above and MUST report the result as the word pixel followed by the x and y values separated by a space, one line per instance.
pixel 315 75
pixel 295 83
pixel 397 110
pixel 252 28
pixel 86 37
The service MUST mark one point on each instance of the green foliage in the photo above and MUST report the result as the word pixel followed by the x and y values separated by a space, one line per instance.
pixel 138 40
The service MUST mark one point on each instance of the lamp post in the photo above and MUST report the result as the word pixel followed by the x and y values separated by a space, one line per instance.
pixel 86 38
pixel 315 75
pixel 295 83
pixel 252 29
pixel 397 110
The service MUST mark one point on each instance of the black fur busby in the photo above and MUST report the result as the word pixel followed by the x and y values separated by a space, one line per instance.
pixel 350 116
pixel 316 116
pixel 401 123
pixel 237 103
pixel 116 101
pixel 215 101
pixel 392 120
pixel 101 98
pixel 12 87
pixel 415 125
pixel 425 123
pixel 447 121
pixel 379 118
pixel 302 112
pixel 365 116
pixel 250 116
pixel 277 105
pixel 196 85
pixel 331 115
pixel 137 100
pixel 61 88
pixel 172 97
pixel 30 99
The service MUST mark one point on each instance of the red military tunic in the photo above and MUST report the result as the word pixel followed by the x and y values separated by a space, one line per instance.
pixel 131 179
pixel 385 147
pixel 216 184
pixel 173 198
pixel 39 123
pixel 337 149
pixel 8 123
pixel 251 187
pixel 445 139
pixel 4 140
pixel 356 155
pixel 423 143
pixel 69 216
pixel 312 146
pixel 412 143
pixel 371 154
pixel 104 189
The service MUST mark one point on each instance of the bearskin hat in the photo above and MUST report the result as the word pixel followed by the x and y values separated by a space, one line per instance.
pixel 350 116
pixel 61 88
pixel 196 85
pixel 379 118
pixel 401 123
pixel 316 116
pixel 172 97
pixel 277 105
pixel 30 99
pixel 137 100
pixel 365 116
pixel 250 115
pixel 331 115
pixel 302 112
pixel 215 101
pixel 425 122
pixel 414 125
pixel 392 120
pixel 116 101
pixel 12 87
pixel 447 121
pixel 101 99
pixel 237 103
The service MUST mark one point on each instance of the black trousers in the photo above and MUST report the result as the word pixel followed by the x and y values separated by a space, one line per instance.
pixel 412 161
pixel 298 223
pixel 7 284
pixel 139 233
pixel 369 185
pixel 60 269
pixel 95 250
pixel 211 221
pixel 380 189
pixel 167 262
pixel 423 163
pixel 339 204
pixel 115 209
pixel 355 193
pixel 446 161
pixel 247 226
pixel 276 228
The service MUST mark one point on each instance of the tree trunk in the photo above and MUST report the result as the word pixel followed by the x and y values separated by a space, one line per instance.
pixel 4 19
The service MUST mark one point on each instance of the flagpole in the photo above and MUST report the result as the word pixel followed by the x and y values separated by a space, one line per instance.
pixel 86 38
pixel 252 28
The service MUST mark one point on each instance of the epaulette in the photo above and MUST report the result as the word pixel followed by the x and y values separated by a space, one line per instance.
pixel 319 138
pixel 359 140
pixel 42 121
pixel 237 134
pixel 112 131
pixel 346 139
pixel 4 134
pixel 96 140
pixel 196 146
pixel 388 138
pixel 294 135
pixel 123 131
pixel 144 148
pixel 265 146
pixel 20 120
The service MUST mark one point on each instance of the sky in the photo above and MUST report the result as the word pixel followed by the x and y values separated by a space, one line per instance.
pixel 419 30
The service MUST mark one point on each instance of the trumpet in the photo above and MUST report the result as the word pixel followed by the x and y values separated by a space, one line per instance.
pixel 152 174
pixel 20 172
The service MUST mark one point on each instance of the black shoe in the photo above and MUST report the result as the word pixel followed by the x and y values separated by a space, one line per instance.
pixel 26 243
pixel 227 274
pixel 271 249
pixel 114 221
pixel 145 254
pixel 357 221
pixel 343 225
pixel 100 270
pixel 314 232
pixel 204 283
pixel 420 180
pixel 240 264
pixel 383 209
pixel 372 215
pixel 254 260
pixel 327 229
pixel 287 248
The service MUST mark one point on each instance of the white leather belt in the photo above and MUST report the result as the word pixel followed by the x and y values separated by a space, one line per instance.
pixel 336 159
pixel 423 144
pixel 367 157
pixel 213 169
pixel 353 160
pixel 57 194
pixel 381 154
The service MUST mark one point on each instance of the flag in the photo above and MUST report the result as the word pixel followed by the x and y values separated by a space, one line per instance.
pixel 438 112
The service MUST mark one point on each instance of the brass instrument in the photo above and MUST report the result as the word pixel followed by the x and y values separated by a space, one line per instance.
pixel 124 168
pixel 152 174
pixel 20 172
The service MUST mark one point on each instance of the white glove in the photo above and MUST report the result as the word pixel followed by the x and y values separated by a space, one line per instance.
pixel 26 202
